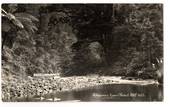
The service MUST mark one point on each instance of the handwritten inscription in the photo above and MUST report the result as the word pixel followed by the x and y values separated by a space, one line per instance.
pixel 119 94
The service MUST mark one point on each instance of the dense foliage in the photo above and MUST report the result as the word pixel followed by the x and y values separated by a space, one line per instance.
pixel 78 39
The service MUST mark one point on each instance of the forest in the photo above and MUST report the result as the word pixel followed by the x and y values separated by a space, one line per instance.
pixel 82 39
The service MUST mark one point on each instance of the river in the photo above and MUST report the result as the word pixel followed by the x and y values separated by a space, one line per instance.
pixel 109 92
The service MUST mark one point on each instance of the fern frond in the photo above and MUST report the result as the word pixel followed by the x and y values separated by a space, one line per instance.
pixel 31 28
pixel 26 15
pixel 28 24
pixel 17 23
pixel 12 18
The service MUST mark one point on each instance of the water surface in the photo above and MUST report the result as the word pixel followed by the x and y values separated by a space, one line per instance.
pixel 109 92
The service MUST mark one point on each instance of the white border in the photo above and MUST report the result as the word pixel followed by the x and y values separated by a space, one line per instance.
pixel 166 101
pixel 83 1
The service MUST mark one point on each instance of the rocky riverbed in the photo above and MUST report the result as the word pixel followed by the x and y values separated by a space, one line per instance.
pixel 14 88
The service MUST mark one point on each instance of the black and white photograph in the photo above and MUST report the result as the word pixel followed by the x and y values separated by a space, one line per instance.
pixel 83 52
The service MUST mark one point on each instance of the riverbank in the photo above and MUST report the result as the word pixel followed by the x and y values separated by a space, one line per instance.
pixel 14 88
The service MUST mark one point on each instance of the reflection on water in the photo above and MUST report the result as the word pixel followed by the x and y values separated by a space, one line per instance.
pixel 110 92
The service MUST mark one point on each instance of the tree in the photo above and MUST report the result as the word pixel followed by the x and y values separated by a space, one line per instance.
pixel 17 23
